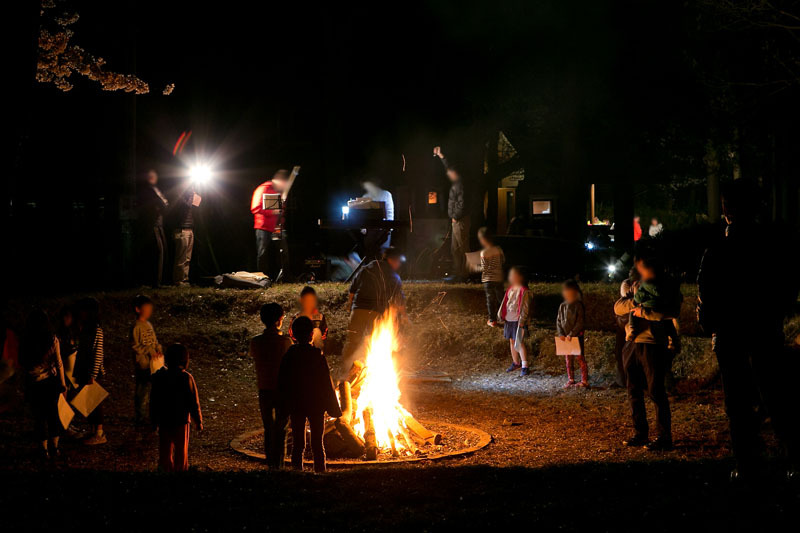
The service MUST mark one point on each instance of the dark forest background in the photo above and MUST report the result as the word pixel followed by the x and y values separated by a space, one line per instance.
pixel 657 102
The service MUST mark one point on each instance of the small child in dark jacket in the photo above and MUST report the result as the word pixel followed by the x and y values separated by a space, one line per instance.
pixel 174 403
pixel 306 392
pixel 569 324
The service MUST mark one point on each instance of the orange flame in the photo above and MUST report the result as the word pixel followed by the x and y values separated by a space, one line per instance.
pixel 380 391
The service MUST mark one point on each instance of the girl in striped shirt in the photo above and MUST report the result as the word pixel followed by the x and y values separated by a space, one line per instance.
pixel 89 361
pixel 492 260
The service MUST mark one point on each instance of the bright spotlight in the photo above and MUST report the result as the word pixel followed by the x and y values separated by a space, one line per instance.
pixel 345 210
pixel 589 246
pixel 200 174
pixel 612 269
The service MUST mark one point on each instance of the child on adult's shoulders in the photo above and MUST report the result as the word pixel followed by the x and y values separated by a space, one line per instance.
pixel 309 308
pixel 516 311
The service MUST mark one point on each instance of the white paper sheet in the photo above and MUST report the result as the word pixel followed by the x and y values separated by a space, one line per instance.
pixel 571 347
pixel 65 412
pixel 88 398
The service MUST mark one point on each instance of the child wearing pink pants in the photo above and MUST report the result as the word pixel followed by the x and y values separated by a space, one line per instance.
pixel 569 325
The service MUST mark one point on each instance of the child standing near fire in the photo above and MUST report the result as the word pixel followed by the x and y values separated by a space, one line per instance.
pixel 569 325
pixel 309 308
pixel 515 312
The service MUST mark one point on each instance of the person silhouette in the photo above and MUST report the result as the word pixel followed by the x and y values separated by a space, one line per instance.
pixel 747 332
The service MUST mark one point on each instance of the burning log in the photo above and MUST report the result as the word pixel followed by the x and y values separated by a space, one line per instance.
pixel 352 441
pixel 341 441
pixel 346 402
pixel 370 441
pixel 356 376
pixel 393 445
pixel 421 431
pixel 330 425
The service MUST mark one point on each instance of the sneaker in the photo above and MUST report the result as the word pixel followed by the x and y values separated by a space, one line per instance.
pixel 636 441
pixel 524 372
pixel 513 367
pixel 491 323
pixel 570 383
pixel 95 439
pixel 661 444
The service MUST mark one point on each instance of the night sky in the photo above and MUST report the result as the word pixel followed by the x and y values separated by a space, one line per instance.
pixel 347 91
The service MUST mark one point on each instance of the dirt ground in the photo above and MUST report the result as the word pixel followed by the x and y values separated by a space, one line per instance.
pixel 556 459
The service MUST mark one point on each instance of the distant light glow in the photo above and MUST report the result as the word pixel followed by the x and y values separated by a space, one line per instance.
pixel 589 246
pixel 200 174
pixel 612 269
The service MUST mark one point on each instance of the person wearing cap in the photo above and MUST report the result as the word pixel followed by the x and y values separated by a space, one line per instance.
pixel 376 288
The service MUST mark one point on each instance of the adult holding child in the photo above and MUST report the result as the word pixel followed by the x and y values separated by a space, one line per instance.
pixel 645 356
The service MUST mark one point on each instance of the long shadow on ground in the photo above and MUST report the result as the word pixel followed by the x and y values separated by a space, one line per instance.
pixel 657 496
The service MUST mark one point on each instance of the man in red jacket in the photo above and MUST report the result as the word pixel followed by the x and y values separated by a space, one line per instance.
pixel 269 242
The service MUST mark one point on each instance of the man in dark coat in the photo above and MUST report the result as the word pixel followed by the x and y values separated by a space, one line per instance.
pixel 306 392
pixel 458 211
pixel 152 204
pixel 376 288
pixel 747 285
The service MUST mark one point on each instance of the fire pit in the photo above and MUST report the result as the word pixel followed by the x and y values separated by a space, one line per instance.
pixel 374 426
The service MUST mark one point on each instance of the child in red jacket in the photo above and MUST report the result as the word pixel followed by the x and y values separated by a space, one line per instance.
pixel 174 403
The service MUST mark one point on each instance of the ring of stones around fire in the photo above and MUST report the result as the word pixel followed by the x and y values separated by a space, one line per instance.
pixel 483 440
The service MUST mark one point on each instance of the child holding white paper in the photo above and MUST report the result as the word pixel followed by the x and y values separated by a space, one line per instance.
pixel 569 325
pixel 40 357
pixel 148 356
pixel 90 361
pixel 515 313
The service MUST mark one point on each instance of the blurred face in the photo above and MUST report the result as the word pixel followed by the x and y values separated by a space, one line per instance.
pixel 152 177
pixel 371 188
pixel 279 180
pixel 645 272
pixel 514 277
pixel 145 311
pixel 484 243
pixel 636 220
pixel 569 295
pixel 453 176
pixel 654 222
pixel 67 319
pixel 279 323
pixel 308 303
pixel 395 263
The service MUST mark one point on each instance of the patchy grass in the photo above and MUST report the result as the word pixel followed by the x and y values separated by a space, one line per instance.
pixel 563 451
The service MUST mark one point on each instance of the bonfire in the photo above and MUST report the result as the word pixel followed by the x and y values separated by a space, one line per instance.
pixel 373 419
